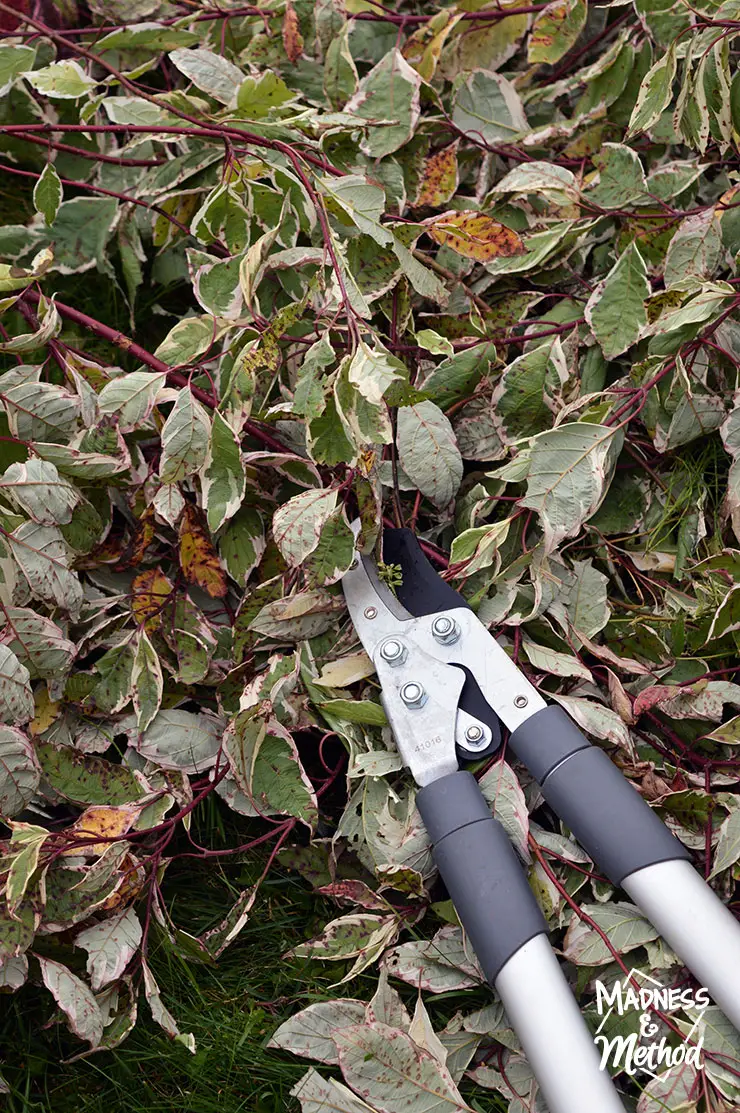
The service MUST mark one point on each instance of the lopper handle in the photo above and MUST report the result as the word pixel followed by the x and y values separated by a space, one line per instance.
pixel 509 936
pixel 637 852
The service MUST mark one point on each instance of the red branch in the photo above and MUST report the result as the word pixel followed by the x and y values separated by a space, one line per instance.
pixel 126 344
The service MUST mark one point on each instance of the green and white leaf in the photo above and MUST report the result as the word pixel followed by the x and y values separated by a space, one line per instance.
pixel 223 478
pixel 16 697
pixel 182 740
pixel 655 93
pixel 387 1066
pixel 616 308
pixel 728 844
pixel 624 926
pixel 310 1033
pixel 388 99
pixel 209 72
pixel 570 469
pixel 110 946
pixel 61 80
pixel 37 488
pixel 488 107
pixel 428 451
pixel 317 1094
pixel 42 558
pixel 14 61
pixel 131 397
pixel 185 438
pixel 147 682
pixel 47 194
pixel 75 999
pixel 297 525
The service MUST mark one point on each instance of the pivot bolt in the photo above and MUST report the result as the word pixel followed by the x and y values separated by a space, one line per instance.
pixel 445 630
pixel 393 652
pixel 413 695
pixel 520 701
pixel 474 734
pixel 371 612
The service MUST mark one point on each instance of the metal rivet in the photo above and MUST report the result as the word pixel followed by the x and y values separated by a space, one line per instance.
pixel 445 630
pixel 371 612
pixel 474 733
pixel 413 695
pixel 394 652
pixel 520 701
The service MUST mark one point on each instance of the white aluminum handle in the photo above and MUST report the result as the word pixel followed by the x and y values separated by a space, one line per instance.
pixel 696 924
pixel 543 1012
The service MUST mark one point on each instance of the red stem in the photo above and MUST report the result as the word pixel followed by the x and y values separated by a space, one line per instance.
pixel 126 344
pixel 95 156
pixel 125 197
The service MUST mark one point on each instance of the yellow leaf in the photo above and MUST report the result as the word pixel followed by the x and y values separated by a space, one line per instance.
pixel 198 558
pixel 181 208
pixel 474 235
pixel 107 822
pixel 47 712
pixel 132 882
pixel 150 591
pixel 438 177
pixel 556 29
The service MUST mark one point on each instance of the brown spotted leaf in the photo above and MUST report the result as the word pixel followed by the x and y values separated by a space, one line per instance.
pixel 107 822
pixel 474 236
pixel 150 591
pixel 198 558
pixel 391 1072
pixel 555 30
pixel 439 177
pixel 292 37
pixel 437 965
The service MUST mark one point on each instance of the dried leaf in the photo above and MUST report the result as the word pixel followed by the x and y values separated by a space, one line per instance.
pixel 292 37
pixel 198 558
pixel 475 236
pixel 438 180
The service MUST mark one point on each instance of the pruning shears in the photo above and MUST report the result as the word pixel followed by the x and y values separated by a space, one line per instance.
pixel 447 688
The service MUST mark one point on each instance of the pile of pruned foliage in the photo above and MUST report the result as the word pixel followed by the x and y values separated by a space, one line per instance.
pixel 470 269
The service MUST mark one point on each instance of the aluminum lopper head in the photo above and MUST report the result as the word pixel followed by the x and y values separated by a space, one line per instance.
pixel 446 682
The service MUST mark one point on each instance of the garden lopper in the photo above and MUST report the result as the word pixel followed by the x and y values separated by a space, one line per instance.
pixel 447 686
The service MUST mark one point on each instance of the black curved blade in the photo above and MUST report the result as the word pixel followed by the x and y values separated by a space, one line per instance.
pixel 423 592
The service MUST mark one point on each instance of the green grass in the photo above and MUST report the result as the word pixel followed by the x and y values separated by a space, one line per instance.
pixel 231 1009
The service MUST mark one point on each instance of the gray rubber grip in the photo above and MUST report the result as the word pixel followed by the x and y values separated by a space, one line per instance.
pixel 607 816
pixel 545 739
pixel 484 878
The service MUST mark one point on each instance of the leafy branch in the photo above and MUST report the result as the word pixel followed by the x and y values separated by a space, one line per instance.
pixel 278 268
